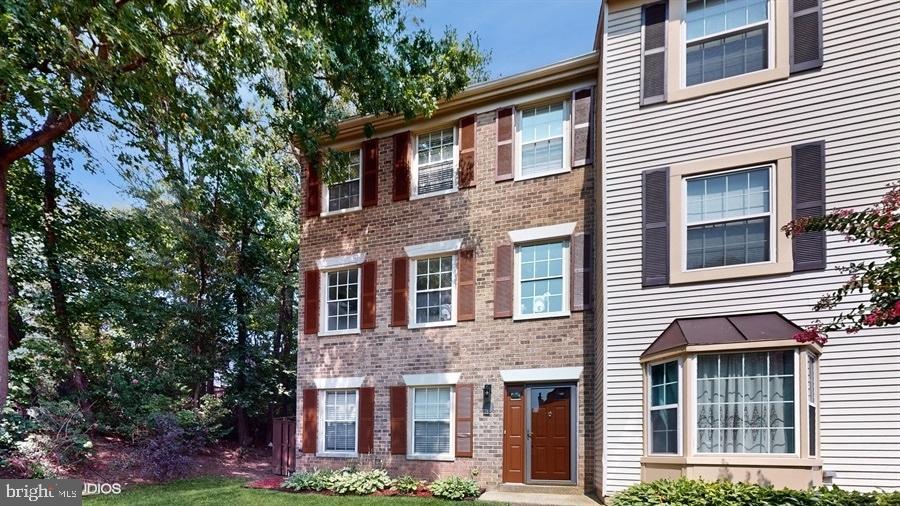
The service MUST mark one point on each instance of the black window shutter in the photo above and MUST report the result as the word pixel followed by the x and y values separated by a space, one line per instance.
pixel 653 53
pixel 806 35
pixel 655 210
pixel 808 192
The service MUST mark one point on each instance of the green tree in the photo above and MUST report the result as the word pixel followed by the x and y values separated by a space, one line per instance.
pixel 304 63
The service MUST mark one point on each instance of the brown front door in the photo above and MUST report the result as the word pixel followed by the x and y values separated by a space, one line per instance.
pixel 550 433
pixel 514 435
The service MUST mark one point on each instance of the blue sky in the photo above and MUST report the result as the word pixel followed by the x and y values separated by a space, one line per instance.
pixel 520 34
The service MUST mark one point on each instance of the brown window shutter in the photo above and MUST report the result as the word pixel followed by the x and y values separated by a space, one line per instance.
pixel 466 286
pixel 399 295
pixel 370 173
pixel 808 177
pixel 467 151
pixel 313 191
pixel 369 294
pixel 582 280
pixel 505 133
pixel 366 434
pixel 402 162
pixel 653 53
pixel 655 207
pixel 503 281
pixel 806 35
pixel 582 126
pixel 398 420
pixel 464 419
pixel 310 420
pixel 311 302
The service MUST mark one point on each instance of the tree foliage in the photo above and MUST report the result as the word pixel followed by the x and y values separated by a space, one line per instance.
pixel 878 226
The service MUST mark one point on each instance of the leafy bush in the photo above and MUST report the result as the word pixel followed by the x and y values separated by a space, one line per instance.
pixel 205 423
pixel 360 482
pixel 725 493
pixel 407 484
pixel 455 488
pixel 53 436
pixel 309 481
pixel 166 454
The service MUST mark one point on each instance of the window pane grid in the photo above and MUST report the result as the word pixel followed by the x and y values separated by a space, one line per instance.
pixel 342 299
pixel 340 420
pixel 541 283
pixel 431 420
pixel 346 195
pixel 436 170
pixel 725 38
pixel 434 289
pixel 542 138
pixel 664 408
pixel 745 403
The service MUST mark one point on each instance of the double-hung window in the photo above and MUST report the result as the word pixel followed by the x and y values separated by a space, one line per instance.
pixel 664 415
pixel 345 196
pixel 432 421
pixel 339 421
pixel 729 218
pixel 542 279
pixel 434 290
pixel 725 38
pixel 342 300
pixel 543 148
pixel 812 363
pixel 435 163
pixel 745 403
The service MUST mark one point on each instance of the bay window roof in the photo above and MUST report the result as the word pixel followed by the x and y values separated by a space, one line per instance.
pixel 712 330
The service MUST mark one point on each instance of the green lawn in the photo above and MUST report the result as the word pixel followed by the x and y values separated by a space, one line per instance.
pixel 226 491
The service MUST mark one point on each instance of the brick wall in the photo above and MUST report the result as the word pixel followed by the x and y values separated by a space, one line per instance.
pixel 479 349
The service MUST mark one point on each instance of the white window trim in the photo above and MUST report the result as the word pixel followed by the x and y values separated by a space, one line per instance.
pixel 566 278
pixel 772 215
pixel 323 304
pixel 343 383
pixel 694 411
pixel 517 145
pixel 411 423
pixel 770 44
pixel 559 231
pixel 812 400
pixel 414 173
pixel 411 303
pixel 325 190
pixel 320 445
pixel 338 262
pixel 428 379
pixel 433 248
pixel 541 374
pixel 649 408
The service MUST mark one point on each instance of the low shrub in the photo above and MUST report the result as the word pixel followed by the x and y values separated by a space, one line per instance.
pixel 360 482
pixel 309 481
pixel 166 453
pixel 455 488
pixel 407 484
pixel 725 493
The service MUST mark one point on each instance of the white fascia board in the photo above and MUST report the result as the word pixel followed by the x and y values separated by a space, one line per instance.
pixel 340 261
pixel 541 233
pixel 333 383
pixel 433 248
pixel 437 378
pixel 541 374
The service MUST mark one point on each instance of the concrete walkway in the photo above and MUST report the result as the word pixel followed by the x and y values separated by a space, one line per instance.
pixel 538 494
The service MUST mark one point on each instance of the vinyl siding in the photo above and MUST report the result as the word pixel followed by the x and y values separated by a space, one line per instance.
pixel 851 103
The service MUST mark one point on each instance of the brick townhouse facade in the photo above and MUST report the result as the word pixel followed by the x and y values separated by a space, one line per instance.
pixel 447 289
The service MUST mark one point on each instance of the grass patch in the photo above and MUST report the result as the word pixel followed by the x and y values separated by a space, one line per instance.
pixel 228 491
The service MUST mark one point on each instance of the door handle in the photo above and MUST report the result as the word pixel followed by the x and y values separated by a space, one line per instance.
pixel 529 435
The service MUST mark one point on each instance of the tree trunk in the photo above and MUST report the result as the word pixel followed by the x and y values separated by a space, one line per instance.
pixel 4 286
pixel 240 302
pixel 61 321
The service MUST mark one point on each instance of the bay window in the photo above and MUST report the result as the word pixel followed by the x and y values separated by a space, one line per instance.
pixel 664 400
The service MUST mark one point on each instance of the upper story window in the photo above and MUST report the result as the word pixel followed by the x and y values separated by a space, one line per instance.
pixel 341 309
pixel 729 217
pixel 664 396
pixel 542 140
pixel 435 163
pixel 542 279
pixel 339 421
pixel 725 38
pixel 434 291
pixel 345 196
pixel 745 403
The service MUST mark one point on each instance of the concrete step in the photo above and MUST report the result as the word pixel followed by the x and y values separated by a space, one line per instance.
pixel 549 495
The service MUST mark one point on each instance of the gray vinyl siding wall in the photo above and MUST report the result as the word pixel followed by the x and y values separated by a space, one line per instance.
pixel 852 104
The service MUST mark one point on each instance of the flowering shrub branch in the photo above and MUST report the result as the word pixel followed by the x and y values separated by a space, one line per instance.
pixel 880 226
